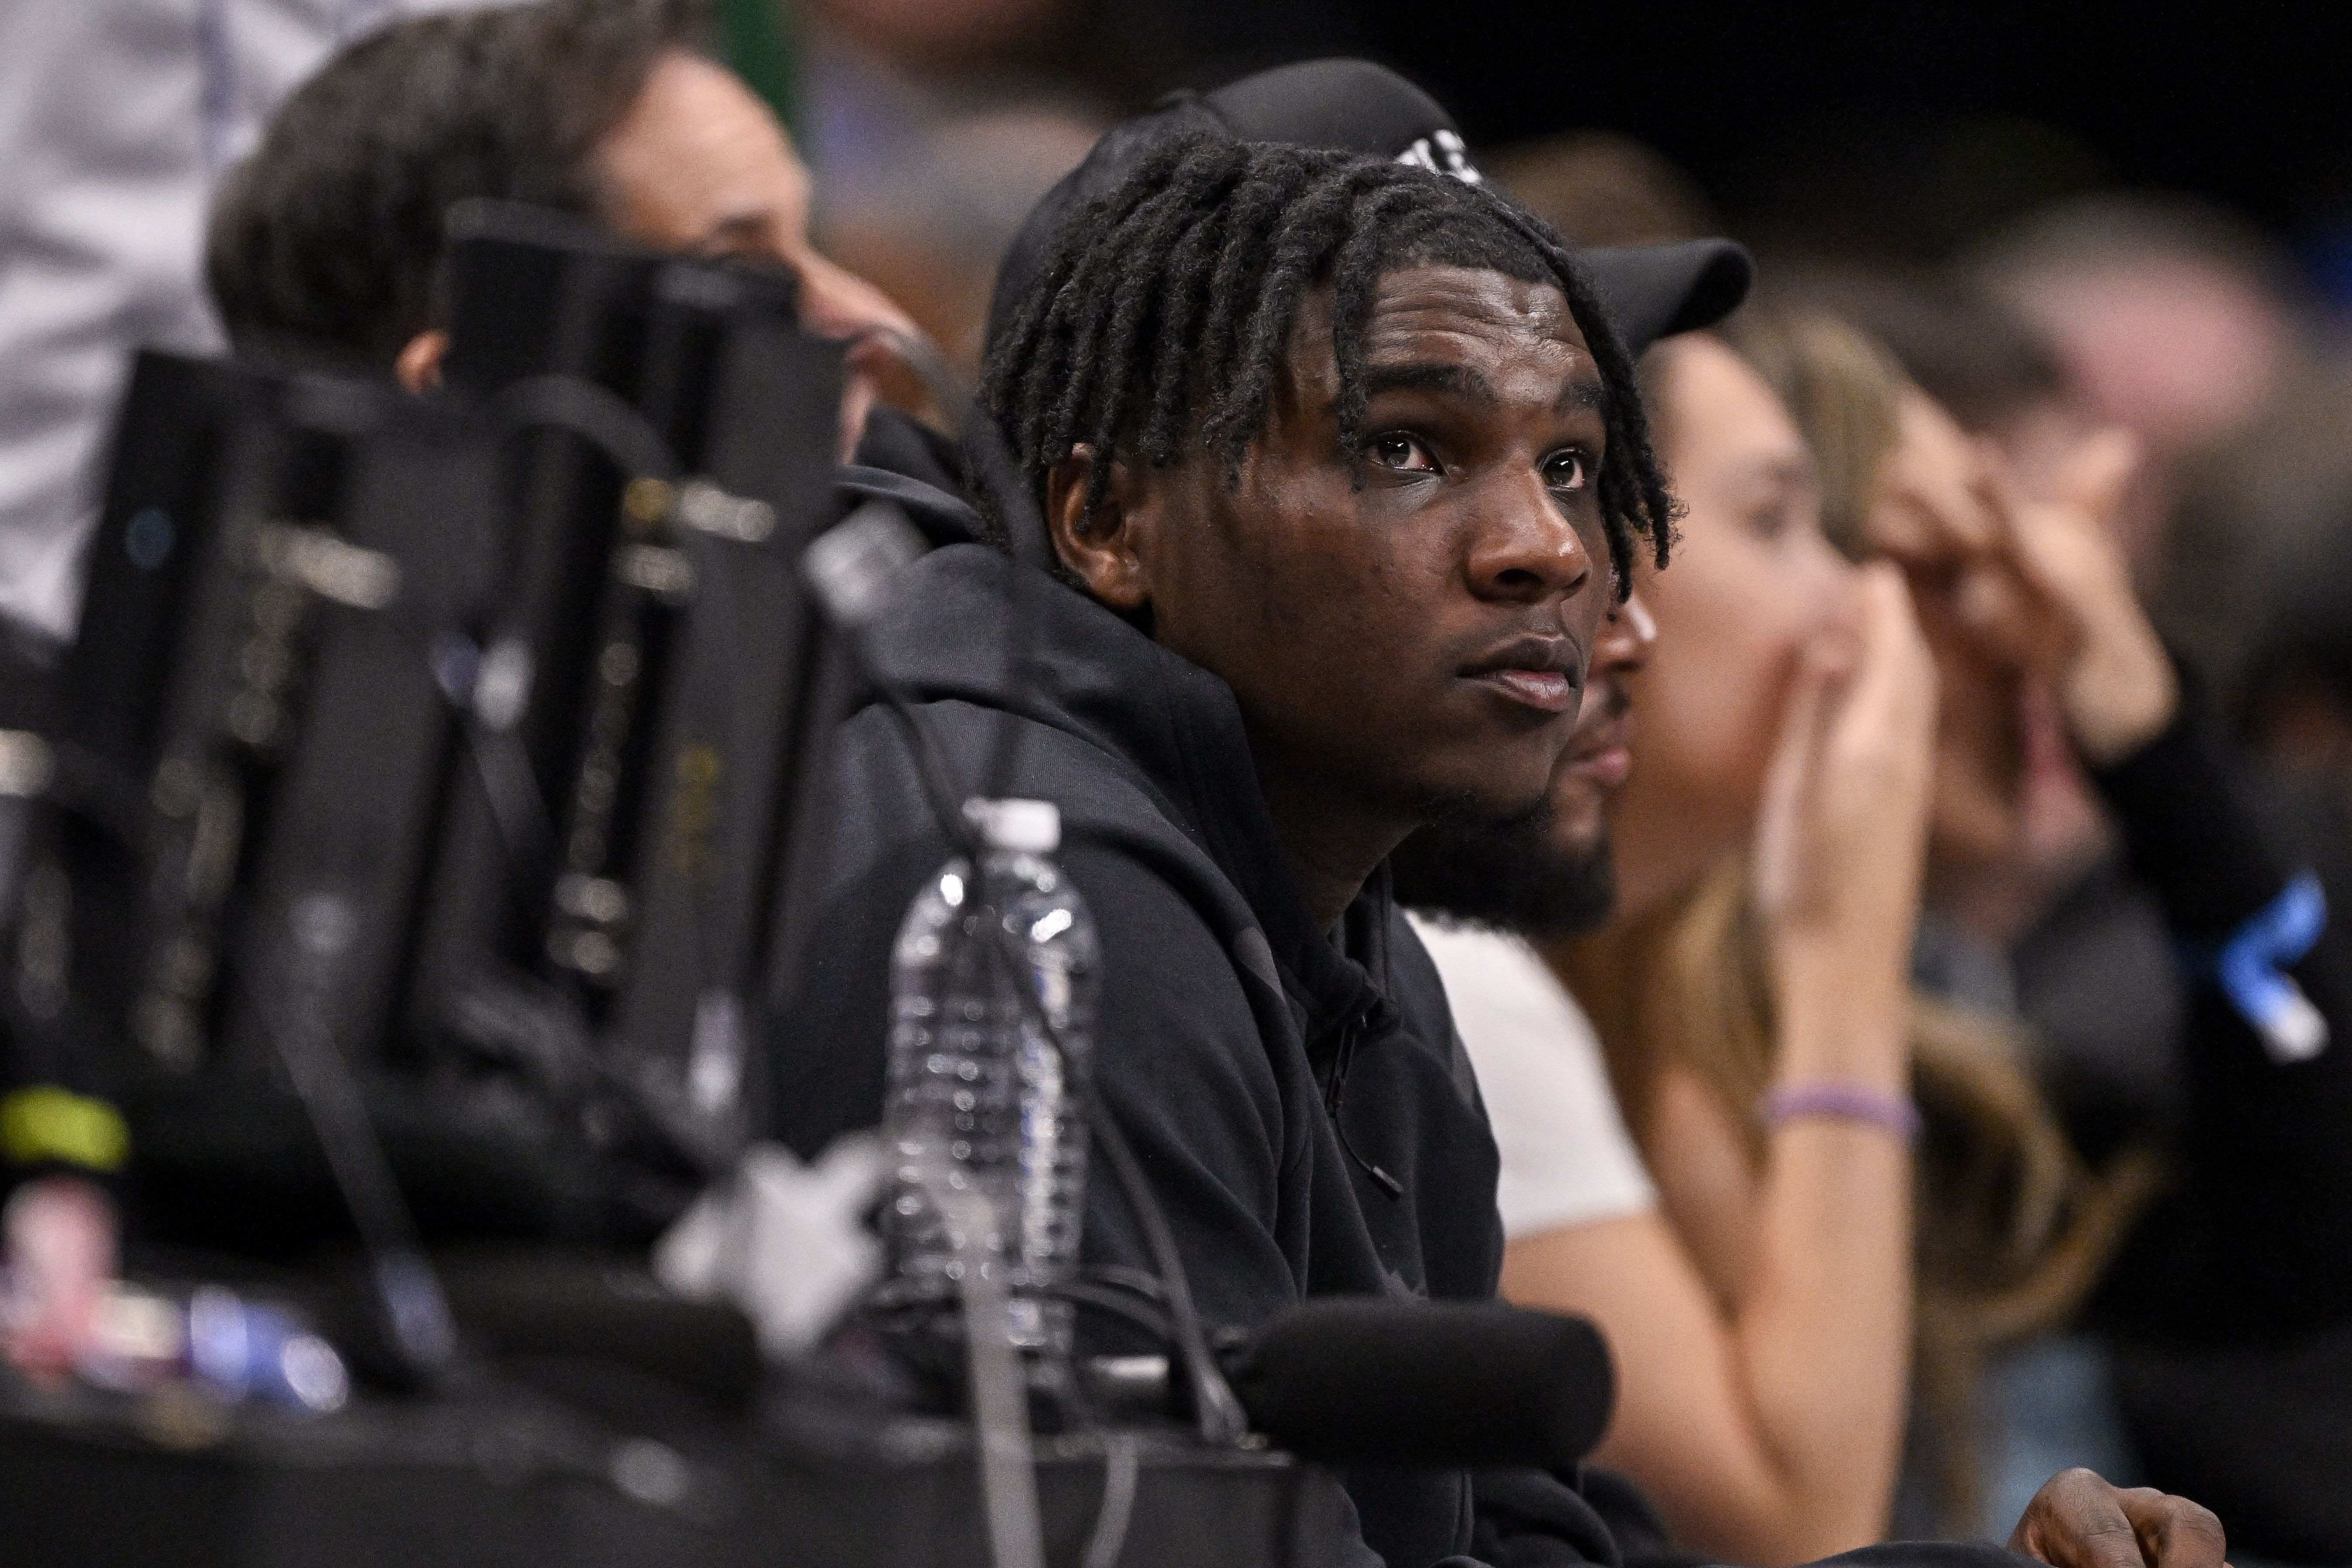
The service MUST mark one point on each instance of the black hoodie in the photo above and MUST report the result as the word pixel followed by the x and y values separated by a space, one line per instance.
pixel 1301 1104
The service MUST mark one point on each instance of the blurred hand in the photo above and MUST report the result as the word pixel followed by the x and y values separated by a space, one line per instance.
pixel 1842 832
pixel 2078 1520
pixel 1944 517
pixel 1931 512
pixel 2113 681
pixel 2035 584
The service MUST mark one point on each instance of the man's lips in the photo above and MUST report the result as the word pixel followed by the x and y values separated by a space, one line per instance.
pixel 1545 689
pixel 1544 673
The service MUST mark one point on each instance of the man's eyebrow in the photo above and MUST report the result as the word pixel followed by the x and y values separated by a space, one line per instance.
pixel 1429 375
pixel 1585 392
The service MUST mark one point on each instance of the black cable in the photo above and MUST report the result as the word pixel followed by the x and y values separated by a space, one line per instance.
pixel 1021 681
pixel 595 414
pixel 1138 1282
pixel 1111 1301
pixel 90 788
pixel 1216 1409
pixel 1033 558
pixel 502 767
pixel 932 771
pixel 931 366
pixel 422 1328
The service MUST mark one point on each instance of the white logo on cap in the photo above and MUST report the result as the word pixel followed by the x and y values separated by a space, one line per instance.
pixel 1443 152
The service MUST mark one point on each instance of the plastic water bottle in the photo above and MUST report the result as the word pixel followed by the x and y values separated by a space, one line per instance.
pixel 981 1099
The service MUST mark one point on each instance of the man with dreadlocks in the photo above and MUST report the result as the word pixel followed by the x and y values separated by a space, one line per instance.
pixel 1339 465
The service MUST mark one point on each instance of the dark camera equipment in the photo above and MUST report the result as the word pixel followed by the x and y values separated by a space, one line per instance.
pixel 658 727
pixel 252 747
pixel 456 731
pixel 510 1484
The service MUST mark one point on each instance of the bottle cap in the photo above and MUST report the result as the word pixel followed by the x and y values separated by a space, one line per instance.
pixel 1023 827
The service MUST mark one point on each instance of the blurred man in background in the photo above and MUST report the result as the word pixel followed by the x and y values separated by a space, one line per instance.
pixel 2168 321
pixel 119 117
pixel 332 235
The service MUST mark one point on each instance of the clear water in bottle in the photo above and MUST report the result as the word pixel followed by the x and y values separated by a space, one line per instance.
pixel 977 1092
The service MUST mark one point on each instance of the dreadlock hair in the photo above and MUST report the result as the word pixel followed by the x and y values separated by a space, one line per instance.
pixel 1158 323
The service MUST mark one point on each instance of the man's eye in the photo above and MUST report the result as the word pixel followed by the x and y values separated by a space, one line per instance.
pixel 1402 453
pixel 1566 472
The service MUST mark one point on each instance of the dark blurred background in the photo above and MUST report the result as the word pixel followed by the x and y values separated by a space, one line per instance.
pixel 1904 129
pixel 1923 132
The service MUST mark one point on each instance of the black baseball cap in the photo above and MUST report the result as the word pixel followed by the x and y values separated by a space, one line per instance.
pixel 1651 291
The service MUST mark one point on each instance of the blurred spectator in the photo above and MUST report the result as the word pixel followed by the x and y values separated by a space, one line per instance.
pixel 2244 1249
pixel 1770 1241
pixel 1844 392
pixel 932 136
pixel 331 234
pixel 117 118
pixel 1700 1023
pixel 1977 358
pixel 2032 912
pixel 2168 319
pixel 2271 624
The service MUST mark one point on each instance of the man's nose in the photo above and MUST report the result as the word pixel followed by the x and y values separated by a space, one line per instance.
pixel 1627 636
pixel 1526 548
pixel 835 303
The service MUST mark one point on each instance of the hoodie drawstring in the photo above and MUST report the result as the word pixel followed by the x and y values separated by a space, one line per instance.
pixel 1350 1032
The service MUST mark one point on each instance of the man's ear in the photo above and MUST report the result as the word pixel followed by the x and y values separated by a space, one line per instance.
pixel 1107 547
pixel 418 367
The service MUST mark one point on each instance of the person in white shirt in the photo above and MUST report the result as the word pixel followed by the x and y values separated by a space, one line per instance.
pixel 1568 1159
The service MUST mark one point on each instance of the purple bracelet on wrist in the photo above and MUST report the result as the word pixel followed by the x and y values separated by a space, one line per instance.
pixel 1845 1102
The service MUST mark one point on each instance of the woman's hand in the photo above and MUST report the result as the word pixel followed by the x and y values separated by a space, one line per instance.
pixel 1842 832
